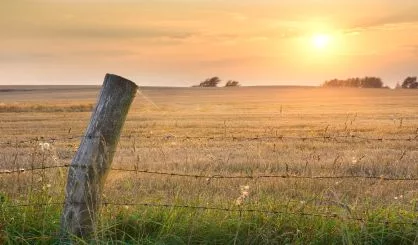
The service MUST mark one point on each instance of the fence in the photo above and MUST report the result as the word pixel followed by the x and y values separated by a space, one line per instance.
pixel 220 176
pixel 334 138
pixel 209 177
pixel 349 137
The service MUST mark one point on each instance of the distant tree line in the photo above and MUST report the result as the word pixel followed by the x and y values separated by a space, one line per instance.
pixel 356 82
pixel 369 82
pixel 214 81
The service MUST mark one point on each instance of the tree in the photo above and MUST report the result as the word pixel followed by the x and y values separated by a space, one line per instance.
pixel 355 82
pixel 210 82
pixel 410 82
pixel 232 83
pixel 371 82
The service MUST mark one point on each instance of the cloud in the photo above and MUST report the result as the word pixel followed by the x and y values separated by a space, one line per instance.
pixel 401 19
pixel 61 56
pixel 102 32
pixel 412 49
pixel 29 57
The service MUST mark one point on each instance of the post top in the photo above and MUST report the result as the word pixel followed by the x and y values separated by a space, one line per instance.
pixel 117 78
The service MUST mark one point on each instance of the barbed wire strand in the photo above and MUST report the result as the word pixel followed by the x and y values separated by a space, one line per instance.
pixel 240 210
pixel 220 137
pixel 220 176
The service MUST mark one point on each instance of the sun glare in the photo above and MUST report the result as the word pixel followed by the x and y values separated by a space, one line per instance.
pixel 321 41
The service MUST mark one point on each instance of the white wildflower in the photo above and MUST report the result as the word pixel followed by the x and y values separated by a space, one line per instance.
pixel 45 146
pixel 45 187
pixel 245 193
pixel 398 197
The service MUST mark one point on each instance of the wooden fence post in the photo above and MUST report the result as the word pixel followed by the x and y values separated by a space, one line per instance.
pixel 91 164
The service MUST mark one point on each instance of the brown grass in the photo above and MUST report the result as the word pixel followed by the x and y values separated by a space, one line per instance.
pixel 154 139
pixel 45 108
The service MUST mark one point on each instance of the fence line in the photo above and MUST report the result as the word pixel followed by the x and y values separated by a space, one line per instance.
pixel 220 137
pixel 237 210
pixel 220 176
pixel 209 177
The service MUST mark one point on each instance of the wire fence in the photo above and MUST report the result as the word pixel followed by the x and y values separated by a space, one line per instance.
pixel 219 176
pixel 209 177
pixel 336 138
pixel 235 210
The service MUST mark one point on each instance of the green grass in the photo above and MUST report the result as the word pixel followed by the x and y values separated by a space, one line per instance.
pixel 155 225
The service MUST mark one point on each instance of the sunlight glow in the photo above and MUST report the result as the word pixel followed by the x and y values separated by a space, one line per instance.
pixel 321 41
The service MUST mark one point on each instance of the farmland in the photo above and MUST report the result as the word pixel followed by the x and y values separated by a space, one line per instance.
pixel 315 165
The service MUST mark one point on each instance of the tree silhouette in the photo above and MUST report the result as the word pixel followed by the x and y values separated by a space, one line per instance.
pixel 410 82
pixel 210 82
pixel 232 83
pixel 355 82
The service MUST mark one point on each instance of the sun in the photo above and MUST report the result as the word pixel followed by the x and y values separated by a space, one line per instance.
pixel 321 41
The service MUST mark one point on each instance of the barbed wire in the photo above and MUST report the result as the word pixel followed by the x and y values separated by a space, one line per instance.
pixel 209 177
pixel 237 210
pixel 219 137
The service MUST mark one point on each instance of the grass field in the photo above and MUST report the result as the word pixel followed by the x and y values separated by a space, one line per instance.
pixel 211 132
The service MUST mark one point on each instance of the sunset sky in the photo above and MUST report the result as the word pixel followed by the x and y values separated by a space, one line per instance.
pixel 181 42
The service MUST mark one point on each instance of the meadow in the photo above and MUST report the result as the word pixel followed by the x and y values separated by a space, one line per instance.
pixel 245 165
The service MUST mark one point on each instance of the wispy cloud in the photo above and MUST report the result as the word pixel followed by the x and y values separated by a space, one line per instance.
pixel 412 49
pixel 29 57
pixel 120 32
pixel 399 20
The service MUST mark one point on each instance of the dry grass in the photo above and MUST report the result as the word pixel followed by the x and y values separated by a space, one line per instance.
pixel 154 139
pixel 45 108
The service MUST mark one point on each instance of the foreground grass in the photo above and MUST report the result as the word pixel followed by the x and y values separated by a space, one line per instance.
pixel 156 225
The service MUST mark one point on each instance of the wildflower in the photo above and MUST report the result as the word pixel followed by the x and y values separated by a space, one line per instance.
pixel 245 193
pixel 45 187
pixel 45 146
pixel 398 197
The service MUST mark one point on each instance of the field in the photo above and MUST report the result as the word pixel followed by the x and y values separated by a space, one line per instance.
pixel 247 165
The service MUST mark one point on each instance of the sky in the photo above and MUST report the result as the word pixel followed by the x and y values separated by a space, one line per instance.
pixel 182 42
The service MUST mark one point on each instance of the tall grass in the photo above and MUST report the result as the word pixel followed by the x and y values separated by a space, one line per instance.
pixel 155 139
pixel 45 108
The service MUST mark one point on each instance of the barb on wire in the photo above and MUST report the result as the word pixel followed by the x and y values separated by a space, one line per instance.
pixel 335 138
pixel 282 176
pixel 220 176
pixel 225 209
pixel 23 170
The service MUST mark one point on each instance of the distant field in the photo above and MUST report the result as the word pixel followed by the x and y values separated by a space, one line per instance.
pixel 246 131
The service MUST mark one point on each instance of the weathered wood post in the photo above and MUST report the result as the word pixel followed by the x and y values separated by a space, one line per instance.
pixel 91 164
